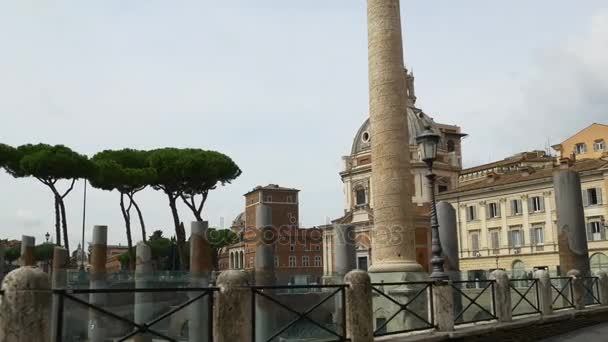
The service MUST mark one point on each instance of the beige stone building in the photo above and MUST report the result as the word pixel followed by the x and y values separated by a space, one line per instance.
pixel 588 143
pixel 358 188
pixel 506 210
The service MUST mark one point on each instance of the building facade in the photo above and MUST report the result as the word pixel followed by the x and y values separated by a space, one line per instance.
pixel 358 188
pixel 590 143
pixel 297 251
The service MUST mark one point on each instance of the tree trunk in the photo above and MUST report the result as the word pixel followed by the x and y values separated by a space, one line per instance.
pixel 64 225
pixel 127 217
pixel 180 234
pixel 141 219
pixel 57 223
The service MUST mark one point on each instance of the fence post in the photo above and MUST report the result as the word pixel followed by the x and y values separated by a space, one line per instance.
pixel 503 308
pixel 544 292
pixel 443 305
pixel 359 307
pixel 232 321
pixel 99 247
pixel 201 264
pixel 578 289
pixel 25 307
pixel 27 251
pixel 143 310
pixel 60 265
pixel 603 287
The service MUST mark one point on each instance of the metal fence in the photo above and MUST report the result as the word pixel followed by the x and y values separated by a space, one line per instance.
pixel 291 303
pixel 62 296
pixel 592 290
pixel 481 304
pixel 521 291
pixel 563 293
pixel 414 302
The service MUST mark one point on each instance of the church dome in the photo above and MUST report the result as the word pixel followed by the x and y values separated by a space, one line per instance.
pixel 239 220
pixel 417 121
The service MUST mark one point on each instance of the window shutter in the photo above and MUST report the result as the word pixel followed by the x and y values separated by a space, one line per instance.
pixel 599 196
pixel 510 237
pixel 523 238
pixel 589 232
pixel 530 205
pixel 533 236
pixel 474 216
pixel 488 211
pixel 541 200
pixel 498 209
pixel 602 230
pixel 586 198
pixel 513 206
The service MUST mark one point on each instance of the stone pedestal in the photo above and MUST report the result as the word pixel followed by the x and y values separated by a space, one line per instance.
pixel 97 322
pixel 232 321
pixel 578 289
pixel 394 231
pixel 443 304
pixel 603 284
pixel 544 292
pixel 61 262
pixel 359 314
pixel 25 307
pixel 502 295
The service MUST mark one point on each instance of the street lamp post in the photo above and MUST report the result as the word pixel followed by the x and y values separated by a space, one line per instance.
pixel 427 143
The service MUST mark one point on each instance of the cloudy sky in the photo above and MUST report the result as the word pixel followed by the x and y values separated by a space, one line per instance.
pixel 281 86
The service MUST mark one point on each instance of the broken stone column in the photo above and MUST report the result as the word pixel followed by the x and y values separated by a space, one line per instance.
pixel 448 234
pixel 144 301
pixel 232 320
pixel 394 231
pixel 443 306
pixel 201 265
pixel 264 274
pixel 345 249
pixel 27 251
pixel 578 289
pixel 603 285
pixel 360 311
pixel 97 325
pixel 25 308
pixel 61 263
pixel 544 292
pixel 502 295
pixel 572 234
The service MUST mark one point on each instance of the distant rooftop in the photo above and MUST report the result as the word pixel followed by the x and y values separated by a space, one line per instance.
pixel 271 187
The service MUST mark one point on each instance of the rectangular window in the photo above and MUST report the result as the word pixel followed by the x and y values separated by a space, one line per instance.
pixel 516 238
pixel 493 210
pixel 317 247
pixel 305 261
pixel 475 242
pixel 471 213
pixel 599 146
pixel 360 196
pixel 495 239
pixel 537 204
pixel 292 248
pixel 362 263
pixel 516 207
pixel 537 235
pixel 292 261
pixel 267 198
pixel 318 261
pixel 592 196
pixel 580 149
pixel 289 199
pixel 595 231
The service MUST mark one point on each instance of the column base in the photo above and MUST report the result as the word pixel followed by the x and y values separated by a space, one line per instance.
pixel 395 266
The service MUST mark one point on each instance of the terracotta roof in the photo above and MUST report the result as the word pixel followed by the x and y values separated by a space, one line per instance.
pixel 518 176
pixel 271 187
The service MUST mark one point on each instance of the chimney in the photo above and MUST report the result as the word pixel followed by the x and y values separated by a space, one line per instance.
pixel 492 177
pixel 565 163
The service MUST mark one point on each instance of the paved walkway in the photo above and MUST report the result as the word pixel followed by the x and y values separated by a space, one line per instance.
pixel 588 334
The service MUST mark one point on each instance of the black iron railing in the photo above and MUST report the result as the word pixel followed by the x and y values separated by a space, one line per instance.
pixel 139 328
pixel 563 291
pixel 412 291
pixel 266 292
pixel 592 290
pixel 483 314
pixel 530 286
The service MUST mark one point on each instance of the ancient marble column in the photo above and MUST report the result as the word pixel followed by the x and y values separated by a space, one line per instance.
pixel 265 310
pixel 99 247
pixel 345 250
pixel 394 231
pixel 61 263
pixel 27 250
pixel 143 307
pixel 201 265
pixel 448 234
pixel 572 235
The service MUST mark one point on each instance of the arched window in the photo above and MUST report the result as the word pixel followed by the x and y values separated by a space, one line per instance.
pixel 451 146
pixel 599 262
pixel 242 261
pixel 231 260
pixel 519 269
